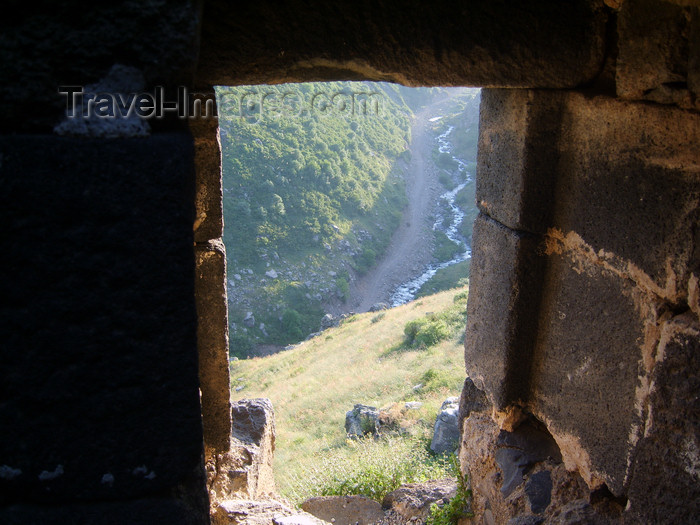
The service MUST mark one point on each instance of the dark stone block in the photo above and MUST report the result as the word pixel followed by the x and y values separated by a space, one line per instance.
pixel 588 356
pixel 519 450
pixel 517 163
pixel 664 484
pixel 659 52
pixel 472 400
pixel 506 277
pixel 544 43
pixel 538 490
pixel 99 397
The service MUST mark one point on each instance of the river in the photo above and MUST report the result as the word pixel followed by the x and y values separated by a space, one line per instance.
pixel 407 291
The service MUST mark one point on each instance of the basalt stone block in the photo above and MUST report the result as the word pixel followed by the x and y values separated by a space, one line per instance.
pixel 629 185
pixel 502 309
pixel 587 367
pixel 621 175
pixel 659 52
pixel 542 44
pixel 664 483
pixel 517 160
pixel 99 387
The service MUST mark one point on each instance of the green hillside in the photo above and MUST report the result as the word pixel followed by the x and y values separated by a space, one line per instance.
pixel 312 191
pixel 410 353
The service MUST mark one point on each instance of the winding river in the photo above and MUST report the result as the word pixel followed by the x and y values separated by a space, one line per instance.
pixel 407 291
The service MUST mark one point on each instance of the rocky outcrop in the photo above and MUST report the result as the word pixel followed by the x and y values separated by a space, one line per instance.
pixel 345 510
pixel 518 477
pixel 246 471
pixel 362 420
pixel 446 429
pixel 411 502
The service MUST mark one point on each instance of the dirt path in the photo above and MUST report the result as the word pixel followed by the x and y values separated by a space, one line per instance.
pixel 410 248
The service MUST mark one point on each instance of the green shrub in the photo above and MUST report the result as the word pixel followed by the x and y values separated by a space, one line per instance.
pixel 426 332
pixel 291 321
pixel 370 467
pixel 432 333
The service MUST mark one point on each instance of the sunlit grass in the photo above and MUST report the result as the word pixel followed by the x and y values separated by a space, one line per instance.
pixel 312 385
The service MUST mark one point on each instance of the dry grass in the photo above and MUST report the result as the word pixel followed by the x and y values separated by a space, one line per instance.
pixel 312 385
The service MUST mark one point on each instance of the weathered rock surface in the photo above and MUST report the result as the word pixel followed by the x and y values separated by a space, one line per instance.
pixel 345 510
pixel 413 500
pixel 362 420
pixel 446 428
pixel 267 512
pixel 246 471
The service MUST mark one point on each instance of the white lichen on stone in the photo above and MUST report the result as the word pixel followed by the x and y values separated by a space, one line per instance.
pixel 48 476
pixel 9 473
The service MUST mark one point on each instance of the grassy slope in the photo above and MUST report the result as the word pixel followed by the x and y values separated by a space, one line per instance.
pixel 312 385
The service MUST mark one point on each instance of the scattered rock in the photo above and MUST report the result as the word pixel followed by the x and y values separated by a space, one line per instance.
pixel 446 430
pixel 413 500
pixel 237 276
pixel 272 274
pixel 376 307
pixel 345 510
pixel 328 321
pixel 412 405
pixel 249 320
pixel 362 420
pixel 417 387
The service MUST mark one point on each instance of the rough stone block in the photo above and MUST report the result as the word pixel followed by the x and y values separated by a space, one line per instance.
pixel 664 484
pixel 212 342
pixel 623 176
pixel 587 367
pixel 659 52
pixel 502 311
pixel 99 389
pixel 517 159
pixel 345 510
pixel 209 219
pixel 542 43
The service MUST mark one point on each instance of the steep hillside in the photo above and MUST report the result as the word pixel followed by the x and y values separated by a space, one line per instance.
pixel 367 359
pixel 313 190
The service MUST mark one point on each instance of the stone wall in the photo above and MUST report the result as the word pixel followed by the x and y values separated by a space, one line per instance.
pixel 583 313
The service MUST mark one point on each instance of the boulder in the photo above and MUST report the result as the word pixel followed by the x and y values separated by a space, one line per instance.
pixel 272 274
pixel 249 320
pixel 362 420
pixel 376 307
pixel 413 500
pixel 328 321
pixel 246 470
pixel 345 510
pixel 446 430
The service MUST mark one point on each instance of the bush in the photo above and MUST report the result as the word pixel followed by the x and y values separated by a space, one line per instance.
pixel 291 321
pixel 426 332
pixel 371 468
pixel 432 333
